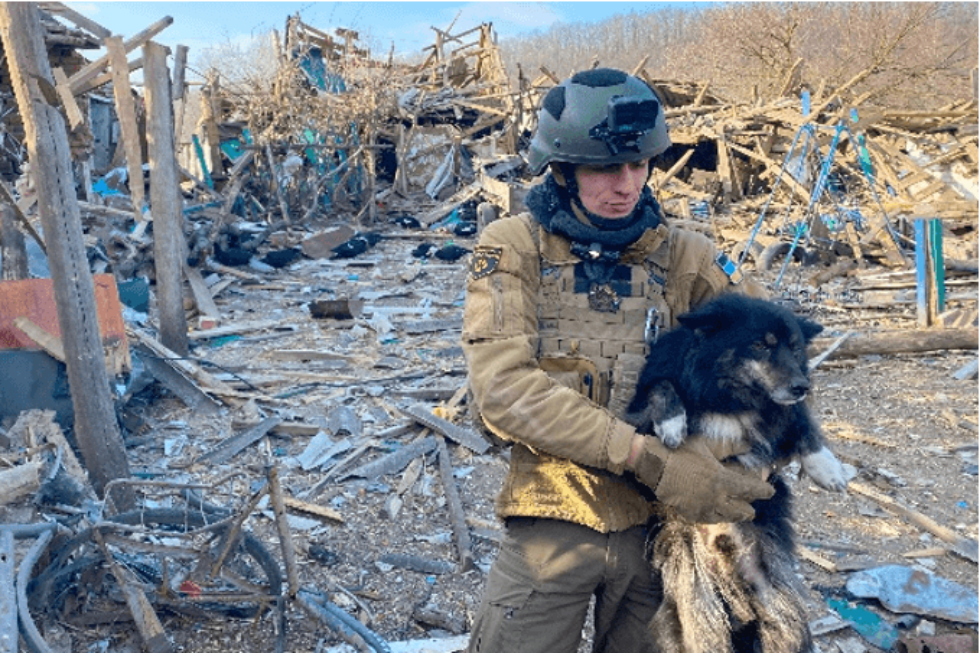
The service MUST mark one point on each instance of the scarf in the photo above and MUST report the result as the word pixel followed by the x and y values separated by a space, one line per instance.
pixel 601 242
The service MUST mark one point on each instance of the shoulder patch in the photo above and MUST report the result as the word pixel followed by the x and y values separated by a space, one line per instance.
pixel 729 267
pixel 484 260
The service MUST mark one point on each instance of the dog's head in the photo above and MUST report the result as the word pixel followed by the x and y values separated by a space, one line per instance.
pixel 753 344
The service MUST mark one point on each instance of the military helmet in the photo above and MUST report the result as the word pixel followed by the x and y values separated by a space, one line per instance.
pixel 598 117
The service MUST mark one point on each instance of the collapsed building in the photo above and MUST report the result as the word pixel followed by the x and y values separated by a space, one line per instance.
pixel 327 178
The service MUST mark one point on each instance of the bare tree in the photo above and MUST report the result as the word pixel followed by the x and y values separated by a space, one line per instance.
pixel 915 54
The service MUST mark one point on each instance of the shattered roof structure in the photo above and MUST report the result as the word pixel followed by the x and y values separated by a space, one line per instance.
pixel 308 473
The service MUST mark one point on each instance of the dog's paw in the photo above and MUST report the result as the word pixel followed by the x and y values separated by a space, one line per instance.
pixel 825 470
pixel 673 431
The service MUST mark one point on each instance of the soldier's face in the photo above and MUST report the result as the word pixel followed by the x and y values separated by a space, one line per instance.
pixel 611 191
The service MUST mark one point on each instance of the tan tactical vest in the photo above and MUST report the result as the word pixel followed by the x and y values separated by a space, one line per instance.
pixel 599 353
pixel 601 345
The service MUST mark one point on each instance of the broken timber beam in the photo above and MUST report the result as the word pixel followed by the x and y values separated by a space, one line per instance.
pixel 96 427
pixel 466 437
pixel 457 516
pixel 177 382
pixel 147 622
pixel 961 546
pixel 230 447
pixel 46 341
pixel 72 16
pixel 78 80
pixel 395 461
pixel 901 342
pixel 446 207
pixel 202 295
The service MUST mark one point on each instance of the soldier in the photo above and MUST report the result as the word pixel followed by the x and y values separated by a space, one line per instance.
pixel 560 305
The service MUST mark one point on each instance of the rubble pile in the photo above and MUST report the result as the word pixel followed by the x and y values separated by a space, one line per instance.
pixel 308 474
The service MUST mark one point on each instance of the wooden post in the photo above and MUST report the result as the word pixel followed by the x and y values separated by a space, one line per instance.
pixel 169 248
pixel 210 113
pixel 126 109
pixel 179 89
pixel 724 168
pixel 274 180
pixel 96 428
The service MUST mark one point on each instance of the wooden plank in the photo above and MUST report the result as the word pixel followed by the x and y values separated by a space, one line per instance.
pixel 69 14
pixel 74 114
pixel 274 180
pixel 395 461
pixel 855 241
pixel 46 341
pixel 457 516
pixel 818 560
pixel 180 70
pixel 209 120
pixel 674 169
pixel 89 71
pixel 147 622
pixel 202 295
pixel 231 447
pixel 962 546
pixel 463 436
pixel 177 382
pixel 105 78
pixel 186 367
pixel 446 207
pixel 18 482
pixel 126 111
pixel 231 329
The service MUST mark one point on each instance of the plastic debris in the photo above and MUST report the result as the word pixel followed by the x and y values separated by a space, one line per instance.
pixel 866 623
pixel 913 589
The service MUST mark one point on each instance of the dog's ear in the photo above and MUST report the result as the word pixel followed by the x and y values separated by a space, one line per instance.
pixel 809 327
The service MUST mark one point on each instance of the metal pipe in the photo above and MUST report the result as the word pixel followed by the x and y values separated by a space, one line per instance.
pixel 8 597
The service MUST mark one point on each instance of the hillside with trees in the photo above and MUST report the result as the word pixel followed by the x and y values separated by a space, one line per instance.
pixel 910 55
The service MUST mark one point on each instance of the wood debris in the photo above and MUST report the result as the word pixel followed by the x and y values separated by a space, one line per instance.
pixel 317 405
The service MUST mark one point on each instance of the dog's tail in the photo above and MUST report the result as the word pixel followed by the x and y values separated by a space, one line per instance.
pixel 692 617
pixel 721 583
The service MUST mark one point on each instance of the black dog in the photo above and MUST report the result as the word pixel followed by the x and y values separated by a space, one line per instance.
pixel 734 372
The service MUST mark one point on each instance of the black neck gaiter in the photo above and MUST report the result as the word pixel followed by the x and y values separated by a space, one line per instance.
pixel 600 243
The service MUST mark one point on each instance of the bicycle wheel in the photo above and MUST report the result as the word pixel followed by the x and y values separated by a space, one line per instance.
pixel 172 552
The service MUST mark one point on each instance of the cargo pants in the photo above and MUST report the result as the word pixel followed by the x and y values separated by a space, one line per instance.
pixel 540 587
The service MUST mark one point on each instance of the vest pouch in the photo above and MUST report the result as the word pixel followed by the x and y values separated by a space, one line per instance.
pixel 625 377
pixel 579 374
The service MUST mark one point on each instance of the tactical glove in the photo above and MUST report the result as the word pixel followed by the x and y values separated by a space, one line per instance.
pixel 690 480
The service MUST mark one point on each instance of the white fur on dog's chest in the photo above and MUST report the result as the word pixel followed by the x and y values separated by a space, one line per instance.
pixel 723 427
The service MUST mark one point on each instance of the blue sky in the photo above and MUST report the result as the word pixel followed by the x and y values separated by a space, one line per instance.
pixel 381 24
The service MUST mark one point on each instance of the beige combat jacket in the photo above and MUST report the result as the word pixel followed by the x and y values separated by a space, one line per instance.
pixel 568 451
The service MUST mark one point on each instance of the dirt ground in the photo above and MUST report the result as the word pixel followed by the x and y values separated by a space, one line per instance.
pixel 905 425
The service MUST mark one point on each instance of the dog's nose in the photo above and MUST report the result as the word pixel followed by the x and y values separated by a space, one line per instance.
pixel 799 388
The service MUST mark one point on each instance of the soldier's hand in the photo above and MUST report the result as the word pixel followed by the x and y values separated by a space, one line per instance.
pixel 690 480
